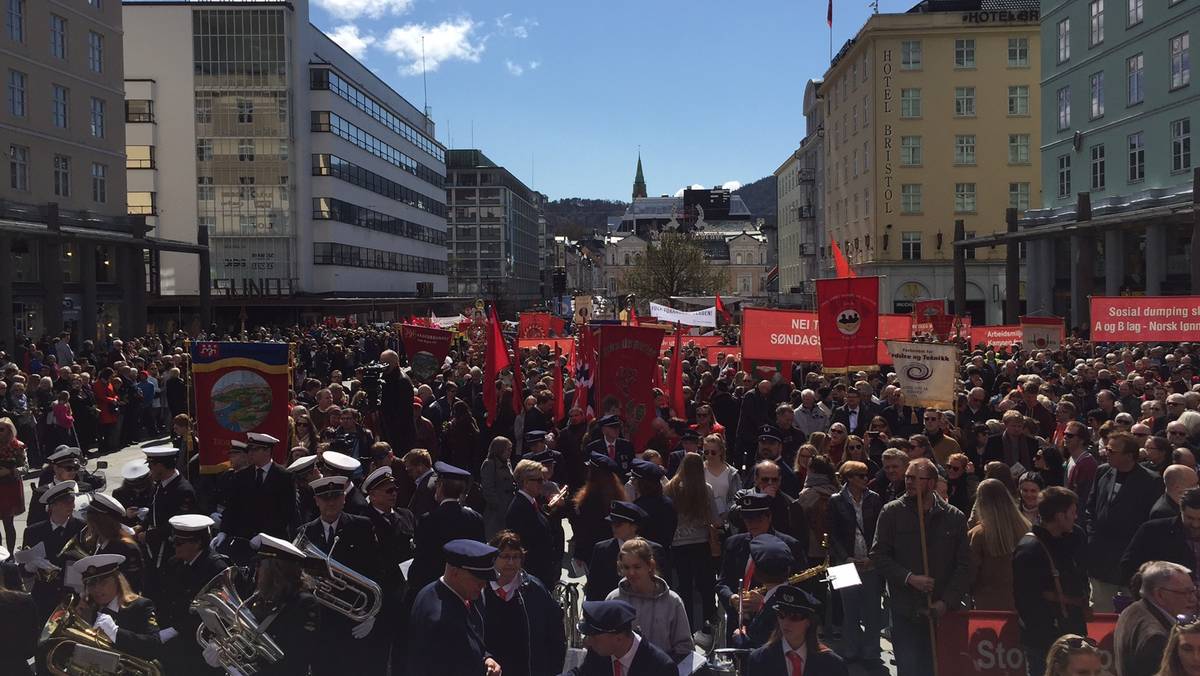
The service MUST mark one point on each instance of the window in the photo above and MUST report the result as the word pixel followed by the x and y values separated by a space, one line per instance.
pixel 1181 66
pixel 910 198
pixel 1181 144
pixel 854 158
pixel 14 20
pixel 1018 52
pixel 204 150
pixel 1064 175
pixel 203 110
pixel 246 150
pixel 140 204
pixel 866 157
pixel 61 103
pixel 58 36
pixel 99 183
pixel 139 110
pixel 1096 25
pixel 18 168
pixel 1064 40
pixel 1097 88
pixel 964 53
pixel 1098 167
pixel 204 189
pixel 910 55
pixel 866 110
pixel 854 118
pixel 1018 100
pixel 1018 196
pixel 1135 12
pixel 95 52
pixel 910 151
pixel 964 149
pixel 139 157
pixel 246 189
pixel 910 103
pixel 17 82
pixel 1064 108
pixel 245 108
pixel 910 246
pixel 62 176
pixel 1018 148
pixel 97 125
pixel 964 198
pixel 1134 66
pixel 1137 157
pixel 964 101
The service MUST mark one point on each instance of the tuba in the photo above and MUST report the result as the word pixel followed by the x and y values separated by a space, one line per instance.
pixel 566 594
pixel 228 626
pixel 69 646
pixel 335 586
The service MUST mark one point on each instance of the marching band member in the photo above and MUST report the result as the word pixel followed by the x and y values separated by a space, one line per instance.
pixel 172 495
pixel 624 519
pixel 53 534
pixel 446 625
pixel 332 463
pixel 611 445
pixel 614 648
pixel 418 465
pixel 793 649
pixel 111 606
pixel 105 534
pixel 525 518
pixel 660 611
pixel 304 471
pixel 523 625
pixel 135 490
pixel 191 566
pixel 64 464
pixel 262 498
pixel 661 519
pixel 771 562
pixel 222 485
pixel 450 520
pixel 348 539
pixel 554 506
pixel 394 532
pixel 19 625
pixel 288 614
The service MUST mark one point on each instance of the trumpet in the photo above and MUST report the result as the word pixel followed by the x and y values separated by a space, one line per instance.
pixel 555 500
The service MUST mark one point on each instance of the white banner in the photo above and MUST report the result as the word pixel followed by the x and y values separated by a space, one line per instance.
pixel 926 372
pixel 446 322
pixel 705 317
pixel 1042 333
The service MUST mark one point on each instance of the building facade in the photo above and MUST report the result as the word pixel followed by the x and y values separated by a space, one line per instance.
pixel 308 176
pixel 494 232
pixel 931 117
pixel 799 188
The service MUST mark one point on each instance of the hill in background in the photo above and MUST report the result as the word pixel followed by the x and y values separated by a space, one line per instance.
pixel 576 217
pixel 760 197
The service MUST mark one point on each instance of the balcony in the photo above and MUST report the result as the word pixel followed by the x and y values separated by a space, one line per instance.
pixel 807 174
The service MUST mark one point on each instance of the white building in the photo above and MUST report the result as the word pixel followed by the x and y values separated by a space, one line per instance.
pixel 799 182
pixel 311 175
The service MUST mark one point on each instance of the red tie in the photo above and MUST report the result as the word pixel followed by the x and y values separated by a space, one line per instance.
pixel 749 577
pixel 502 593
pixel 796 662
pixel 618 668
pixel 612 455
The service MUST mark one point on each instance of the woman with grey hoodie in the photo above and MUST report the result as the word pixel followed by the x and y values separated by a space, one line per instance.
pixel 819 485
pixel 660 614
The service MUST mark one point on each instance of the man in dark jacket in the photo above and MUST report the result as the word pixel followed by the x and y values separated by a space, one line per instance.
pixel 915 591
pixel 192 565
pixel 262 497
pixel 450 520
pixel 1171 539
pixel 855 414
pixel 610 638
pixel 756 411
pixel 1142 629
pixel 396 404
pixel 525 518
pixel 1121 499
pixel 612 445
pixel 851 515
pixel 1012 446
pixel 446 626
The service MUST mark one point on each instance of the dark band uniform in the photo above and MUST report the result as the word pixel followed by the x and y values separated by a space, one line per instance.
pixel 20 627
pixel 177 586
pixel 525 518
pixel 614 617
pixel 394 533
pixel 446 632
pixel 450 520
pixel 772 559
pixel 661 518
pixel 169 498
pixel 47 594
pixel 524 628
pixel 623 451
pixel 770 660
pixel 85 481
pixel 294 623
pixel 136 626
pixel 255 509
pixel 602 575
pixel 131 555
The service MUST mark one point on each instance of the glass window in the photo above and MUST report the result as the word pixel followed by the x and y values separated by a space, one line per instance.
pixel 1018 148
pixel 139 157
pixel 203 110
pixel 1098 167
pixel 1134 66
pixel 246 150
pixel 910 198
pixel 1137 157
pixel 58 36
pixel 1064 175
pixel 99 183
pixel 95 52
pixel 910 151
pixel 910 55
pixel 964 149
pixel 1018 196
pixel 1018 100
pixel 14 20
pixel 964 198
pixel 18 168
pixel 97 120
pixel 139 110
pixel 17 83
pixel 245 111
pixel 60 106
pixel 62 176
pixel 1018 52
pixel 1064 108
pixel 910 103
pixel 1064 40
pixel 964 53
pixel 910 246
pixel 1181 64
pixel 204 149
pixel 1096 25
pixel 1135 12
pixel 964 101
pixel 1181 144
pixel 323 78
pixel 1097 89
pixel 140 204
pixel 204 188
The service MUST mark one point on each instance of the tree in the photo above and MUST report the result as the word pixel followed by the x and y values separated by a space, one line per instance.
pixel 674 266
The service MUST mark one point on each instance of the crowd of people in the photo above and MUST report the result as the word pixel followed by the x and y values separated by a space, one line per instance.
pixel 1062 483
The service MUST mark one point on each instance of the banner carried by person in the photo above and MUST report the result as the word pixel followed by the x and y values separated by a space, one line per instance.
pixel 848 314
pixel 426 349
pixel 240 388
pixel 565 346
pixel 793 335
pixel 998 336
pixel 925 310
pixel 1145 318
pixel 1042 333
pixel 926 372
pixel 706 317
pixel 628 356
pixel 988 643
pixel 539 325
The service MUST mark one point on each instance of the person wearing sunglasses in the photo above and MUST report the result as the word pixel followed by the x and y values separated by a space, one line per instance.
pixel 942 444
pixel 852 514
pixel 1167 592
pixel 1074 655
pixel 793 648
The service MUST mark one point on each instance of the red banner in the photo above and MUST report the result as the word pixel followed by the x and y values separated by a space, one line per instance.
pixel 712 352
pixel 926 310
pixel 565 346
pixel 848 310
pixel 1145 318
pixel 240 388
pixel 533 325
pixel 891 327
pixel 999 336
pixel 792 335
pixel 426 349
pixel 988 643
pixel 1042 333
pixel 628 356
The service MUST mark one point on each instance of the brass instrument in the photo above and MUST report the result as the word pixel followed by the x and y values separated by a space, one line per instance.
pixel 228 626
pixel 69 646
pixel 556 500
pixel 335 586
pixel 804 575
pixel 566 594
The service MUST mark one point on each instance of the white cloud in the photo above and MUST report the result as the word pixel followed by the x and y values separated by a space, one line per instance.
pixel 373 9
pixel 514 69
pixel 349 39
pixel 533 65
pixel 694 186
pixel 450 40
pixel 731 185
pixel 519 29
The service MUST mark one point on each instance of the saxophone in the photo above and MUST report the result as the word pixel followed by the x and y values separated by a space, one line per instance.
pixel 335 586
pixel 69 646
pixel 807 573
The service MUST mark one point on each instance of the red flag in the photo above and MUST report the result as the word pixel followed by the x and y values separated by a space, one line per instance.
pixel 840 264
pixel 848 322
pixel 633 318
pixel 628 353
pixel 559 403
pixel 675 377
pixel 533 325
pixel 829 14
pixel 518 383
pixel 495 359
pixel 585 367
pixel 721 308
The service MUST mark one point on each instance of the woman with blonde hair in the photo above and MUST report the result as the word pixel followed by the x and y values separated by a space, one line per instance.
pixel 496 483
pixel 720 475
pixel 992 542
pixel 660 612
pixel 691 551
pixel 819 441
pixel 12 489
pixel 1075 655
pixel 111 606
pixel 1182 654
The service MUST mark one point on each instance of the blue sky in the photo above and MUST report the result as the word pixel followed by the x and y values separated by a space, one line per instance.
pixel 563 93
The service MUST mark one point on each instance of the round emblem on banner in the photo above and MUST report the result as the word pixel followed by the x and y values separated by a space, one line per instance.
pixel 241 400
pixel 849 321
pixel 1040 341
pixel 918 372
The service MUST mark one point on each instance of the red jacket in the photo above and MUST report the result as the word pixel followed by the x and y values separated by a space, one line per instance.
pixel 106 401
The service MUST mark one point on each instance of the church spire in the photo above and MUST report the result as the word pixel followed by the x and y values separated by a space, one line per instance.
pixel 639 181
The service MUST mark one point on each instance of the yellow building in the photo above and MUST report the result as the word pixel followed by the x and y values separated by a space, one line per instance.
pixel 930 117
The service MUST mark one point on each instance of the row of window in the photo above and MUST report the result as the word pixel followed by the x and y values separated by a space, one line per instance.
pixel 1135 148
pixel 964 101
pixel 323 78
pixel 19 104
pixel 912 151
pixel 332 165
pixel 912 56
pixel 1135 81
pixel 333 123
pixel 330 209
pixel 1135 13
pixel 20 171
pixel 247 149
pixel 911 200
pixel 332 253
pixel 15 20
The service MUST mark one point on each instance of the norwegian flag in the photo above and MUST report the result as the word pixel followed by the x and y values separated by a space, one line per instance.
pixel 585 370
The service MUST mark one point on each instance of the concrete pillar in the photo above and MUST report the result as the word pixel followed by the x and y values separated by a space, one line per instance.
pixel 1194 248
pixel 133 290
pixel 205 281
pixel 960 269
pixel 1082 261
pixel 7 320
pixel 1114 262
pixel 50 273
pixel 1156 258
pixel 87 278
pixel 1012 272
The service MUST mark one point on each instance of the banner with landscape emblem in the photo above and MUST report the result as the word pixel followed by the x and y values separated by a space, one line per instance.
pixel 240 388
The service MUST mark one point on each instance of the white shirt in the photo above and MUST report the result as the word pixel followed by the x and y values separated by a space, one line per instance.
pixel 627 659
pixel 860 541
pixel 330 528
pixel 803 650
pixel 853 417
pixel 510 589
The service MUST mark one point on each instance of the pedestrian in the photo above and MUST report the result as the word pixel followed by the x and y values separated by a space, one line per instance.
pixel 992 541
pixel 691 551
pixel 1140 639
pixel 852 516
pixel 1074 655
pixel 1181 657
pixel 496 483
